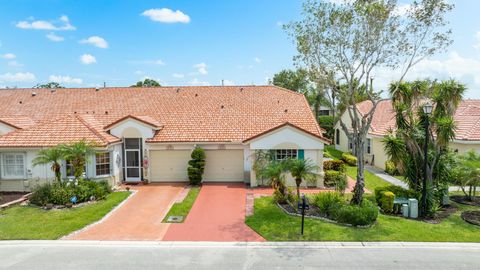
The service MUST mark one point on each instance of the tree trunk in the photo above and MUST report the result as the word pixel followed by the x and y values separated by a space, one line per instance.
pixel 298 181
pixel 360 184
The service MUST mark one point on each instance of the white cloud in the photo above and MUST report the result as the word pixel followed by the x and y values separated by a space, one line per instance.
pixel 14 63
pixel 228 82
pixel 166 15
pixel 201 68
pixel 17 77
pixel 138 72
pixel 8 56
pixel 455 66
pixel 402 9
pixel 178 75
pixel 88 59
pixel 257 60
pixel 65 79
pixel 95 41
pixel 196 81
pixel 62 24
pixel 54 38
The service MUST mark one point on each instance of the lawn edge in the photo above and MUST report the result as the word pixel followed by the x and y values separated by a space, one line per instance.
pixel 190 188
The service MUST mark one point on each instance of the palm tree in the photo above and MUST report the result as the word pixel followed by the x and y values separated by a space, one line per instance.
pixel 468 173
pixel 302 169
pixel 275 173
pixel 77 154
pixel 50 156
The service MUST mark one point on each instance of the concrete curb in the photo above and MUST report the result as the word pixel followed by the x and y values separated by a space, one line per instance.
pixel 280 245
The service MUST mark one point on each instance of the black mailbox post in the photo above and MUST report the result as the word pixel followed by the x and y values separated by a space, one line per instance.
pixel 303 206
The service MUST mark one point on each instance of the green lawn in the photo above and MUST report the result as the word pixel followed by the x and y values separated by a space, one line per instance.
pixel 371 180
pixel 183 208
pixel 25 222
pixel 274 225
pixel 334 153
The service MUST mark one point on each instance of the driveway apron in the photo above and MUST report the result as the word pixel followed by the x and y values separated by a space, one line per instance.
pixel 139 218
pixel 217 215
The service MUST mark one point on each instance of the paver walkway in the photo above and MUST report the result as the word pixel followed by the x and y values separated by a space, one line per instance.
pixel 392 180
pixel 140 218
pixel 217 215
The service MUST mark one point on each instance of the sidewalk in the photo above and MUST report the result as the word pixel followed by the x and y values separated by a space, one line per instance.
pixel 392 180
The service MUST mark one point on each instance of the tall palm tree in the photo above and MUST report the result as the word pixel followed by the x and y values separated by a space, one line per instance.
pixel 302 169
pixel 50 156
pixel 77 154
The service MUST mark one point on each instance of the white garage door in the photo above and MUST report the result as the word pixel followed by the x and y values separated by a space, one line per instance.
pixel 223 166
pixel 169 165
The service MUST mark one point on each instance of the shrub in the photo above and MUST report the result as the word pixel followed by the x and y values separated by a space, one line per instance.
pixel 331 177
pixel 288 198
pixel 196 166
pixel 390 168
pixel 349 159
pixel 362 215
pixel 326 122
pixel 334 165
pixel 386 201
pixel 399 192
pixel 328 202
pixel 341 183
pixel 61 193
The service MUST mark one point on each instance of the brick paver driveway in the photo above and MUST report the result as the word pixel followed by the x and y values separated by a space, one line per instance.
pixel 217 215
pixel 140 218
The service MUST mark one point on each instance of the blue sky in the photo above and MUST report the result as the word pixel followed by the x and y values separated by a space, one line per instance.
pixel 85 43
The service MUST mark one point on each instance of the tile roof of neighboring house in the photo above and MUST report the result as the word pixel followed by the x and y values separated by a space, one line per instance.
pixel 71 128
pixel 284 125
pixel 467 118
pixel 142 118
pixel 17 122
pixel 184 114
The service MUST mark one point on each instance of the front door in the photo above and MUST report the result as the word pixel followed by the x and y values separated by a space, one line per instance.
pixel 133 161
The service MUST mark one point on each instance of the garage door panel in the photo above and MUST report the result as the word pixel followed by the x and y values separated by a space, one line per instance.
pixel 224 166
pixel 169 166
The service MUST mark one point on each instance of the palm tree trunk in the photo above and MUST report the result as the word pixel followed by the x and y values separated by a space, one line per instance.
pixel 298 181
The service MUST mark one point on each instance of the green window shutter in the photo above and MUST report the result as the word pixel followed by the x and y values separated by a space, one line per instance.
pixel 301 154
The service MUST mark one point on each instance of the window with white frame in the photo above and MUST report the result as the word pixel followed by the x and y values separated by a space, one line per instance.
pixel 283 154
pixel 369 146
pixel 13 165
pixel 102 163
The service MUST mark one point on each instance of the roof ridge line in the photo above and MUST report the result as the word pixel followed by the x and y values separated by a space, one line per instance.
pixel 105 140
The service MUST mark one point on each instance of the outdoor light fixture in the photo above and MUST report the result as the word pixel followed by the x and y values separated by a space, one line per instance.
pixel 427 108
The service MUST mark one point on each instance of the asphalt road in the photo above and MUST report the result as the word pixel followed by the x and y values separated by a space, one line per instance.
pixel 215 256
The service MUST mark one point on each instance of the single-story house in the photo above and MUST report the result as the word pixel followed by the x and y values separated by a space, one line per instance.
pixel 467 135
pixel 147 134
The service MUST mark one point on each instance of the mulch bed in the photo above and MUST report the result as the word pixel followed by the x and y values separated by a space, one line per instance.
pixel 463 200
pixel 6 197
pixel 442 214
pixel 472 217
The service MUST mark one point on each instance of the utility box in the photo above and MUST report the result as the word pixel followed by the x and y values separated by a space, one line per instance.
pixel 405 210
pixel 413 211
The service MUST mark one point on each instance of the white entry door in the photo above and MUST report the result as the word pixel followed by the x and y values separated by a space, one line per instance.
pixel 133 159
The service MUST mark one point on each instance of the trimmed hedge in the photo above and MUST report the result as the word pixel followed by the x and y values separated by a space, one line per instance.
pixel 349 159
pixel 334 165
pixel 196 166
pixel 396 190
pixel 386 201
pixel 328 203
pixel 332 177
pixel 355 215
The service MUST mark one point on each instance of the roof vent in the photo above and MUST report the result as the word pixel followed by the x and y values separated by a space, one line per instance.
pixel 34 94
pixel 75 112
pixel 106 112
pixel 286 110
pixel 222 106
pixel 53 90
pixel 196 95
pixel 241 89
pixel 178 90
pixel 97 89
pixel 21 102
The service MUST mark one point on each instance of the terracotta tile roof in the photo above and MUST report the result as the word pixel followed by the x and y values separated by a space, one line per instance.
pixel 186 114
pixel 467 118
pixel 68 129
pixel 17 122
pixel 142 118
pixel 283 125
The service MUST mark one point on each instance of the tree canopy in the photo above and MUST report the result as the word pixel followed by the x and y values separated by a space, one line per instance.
pixel 147 83
pixel 348 42
pixel 49 85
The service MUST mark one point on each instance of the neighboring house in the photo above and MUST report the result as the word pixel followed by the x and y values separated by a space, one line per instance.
pixel 325 110
pixel 149 133
pixel 467 136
